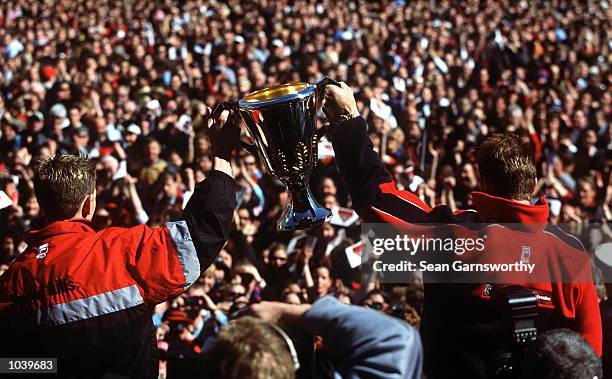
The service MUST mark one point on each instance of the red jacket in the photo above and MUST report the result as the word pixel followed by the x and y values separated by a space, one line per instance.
pixel 377 200
pixel 127 266
pixel 94 291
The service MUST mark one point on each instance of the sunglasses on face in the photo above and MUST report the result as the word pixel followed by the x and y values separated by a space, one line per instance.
pixel 236 294
pixel 377 305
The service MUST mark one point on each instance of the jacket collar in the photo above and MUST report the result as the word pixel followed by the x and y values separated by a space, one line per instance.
pixel 74 225
pixel 498 209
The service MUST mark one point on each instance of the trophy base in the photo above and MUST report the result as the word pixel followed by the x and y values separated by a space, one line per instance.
pixel 303 221
pixel 302 212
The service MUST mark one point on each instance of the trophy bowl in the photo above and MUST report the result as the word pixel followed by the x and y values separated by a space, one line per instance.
pixel 281 120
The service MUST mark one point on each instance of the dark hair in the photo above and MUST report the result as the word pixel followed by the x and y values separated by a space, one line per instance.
pixel 505 162
pixel 373 292
pixel 171 173
pixel 250 348
pixel 62 183
pixel 248 209
pixel 5 181
pixel 562 354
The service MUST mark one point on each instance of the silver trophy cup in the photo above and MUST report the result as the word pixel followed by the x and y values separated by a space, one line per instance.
pixel 281 120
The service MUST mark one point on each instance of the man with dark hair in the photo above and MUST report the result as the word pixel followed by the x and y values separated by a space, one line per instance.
pixel 459 321
pixel 562 354
pixel 86 297
pixel 506 167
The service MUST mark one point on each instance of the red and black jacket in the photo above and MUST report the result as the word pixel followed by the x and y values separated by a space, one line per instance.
pixel 86 297
pixel 454 312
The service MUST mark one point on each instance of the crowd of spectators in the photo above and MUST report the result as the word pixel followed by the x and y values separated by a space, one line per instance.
pixel 131 84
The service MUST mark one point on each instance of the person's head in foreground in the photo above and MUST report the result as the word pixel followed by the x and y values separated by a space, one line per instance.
pixel 562 354
pixel 506 167
pixel 65 187
pixel 250 348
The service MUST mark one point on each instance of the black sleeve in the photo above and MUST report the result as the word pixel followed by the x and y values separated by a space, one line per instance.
pixel 371 187
pixel 209 215
pixel 360 166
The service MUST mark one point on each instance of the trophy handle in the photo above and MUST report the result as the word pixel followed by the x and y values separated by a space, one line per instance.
pixel 321 84
pixel 232 105
pixel 324 82
pixel 227 105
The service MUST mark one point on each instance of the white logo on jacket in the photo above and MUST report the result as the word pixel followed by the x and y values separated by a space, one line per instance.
pixel 42 251
pixel 525 254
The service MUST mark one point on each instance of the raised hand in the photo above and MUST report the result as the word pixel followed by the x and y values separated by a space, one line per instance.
pixel 224 133
pixel 339 101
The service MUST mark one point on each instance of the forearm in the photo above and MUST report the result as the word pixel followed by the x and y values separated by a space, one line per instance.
pixel 361 168
pixel 563 192
pixel 209 213
pixel 135 198
pixel 434 168
pixel 370 186
pixel 308 276
pixel 449 199
pixel 190 150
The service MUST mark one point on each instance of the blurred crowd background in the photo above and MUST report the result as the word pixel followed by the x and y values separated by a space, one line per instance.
pixel 129 83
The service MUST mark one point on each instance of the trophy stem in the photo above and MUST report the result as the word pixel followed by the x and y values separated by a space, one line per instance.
pixel 303 211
